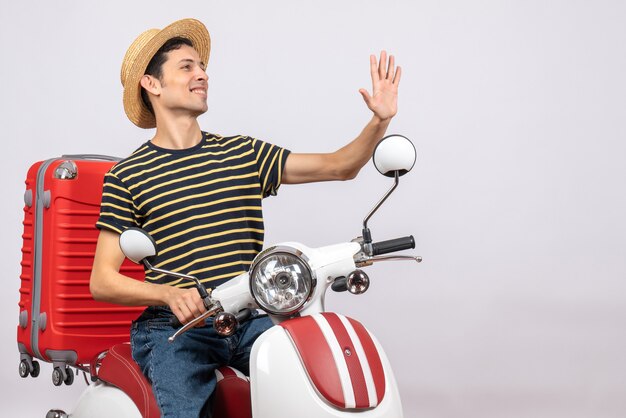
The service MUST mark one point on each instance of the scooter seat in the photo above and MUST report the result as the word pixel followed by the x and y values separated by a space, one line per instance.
pixel 119 369
pixel 230 400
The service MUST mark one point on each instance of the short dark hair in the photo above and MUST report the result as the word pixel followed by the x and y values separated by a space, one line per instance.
pixel 155 66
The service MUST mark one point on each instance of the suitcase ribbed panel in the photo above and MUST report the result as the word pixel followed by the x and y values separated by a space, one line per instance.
pixel 75 313
pixel 76 321
pixel 55 282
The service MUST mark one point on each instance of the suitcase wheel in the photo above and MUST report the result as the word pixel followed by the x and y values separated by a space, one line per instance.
pixel 69 379
pixel 34 372
pixel 26 369
pixel 60 376
pixel 57 376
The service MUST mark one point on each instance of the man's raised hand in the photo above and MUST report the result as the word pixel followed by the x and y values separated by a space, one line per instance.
pixel 385 80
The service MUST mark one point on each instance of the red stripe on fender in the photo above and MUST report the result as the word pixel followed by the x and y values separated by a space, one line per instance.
pixel 316 357
pixel 354 365
pixel 373 359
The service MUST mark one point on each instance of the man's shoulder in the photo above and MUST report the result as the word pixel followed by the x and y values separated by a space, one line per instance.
pixel 231 143
pixel 221 140
pixel 135 157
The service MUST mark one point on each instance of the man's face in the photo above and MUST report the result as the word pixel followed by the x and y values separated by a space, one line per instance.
pixel 184 82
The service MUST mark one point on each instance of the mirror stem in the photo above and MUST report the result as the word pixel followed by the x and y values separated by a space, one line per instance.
pixel 203 292
pixel 367 236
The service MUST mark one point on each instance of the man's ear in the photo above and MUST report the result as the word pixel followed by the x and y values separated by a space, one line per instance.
pixel 151 84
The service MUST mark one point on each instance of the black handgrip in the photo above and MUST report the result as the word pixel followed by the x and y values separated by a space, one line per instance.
pixel 393 245
pixel 243 315
pixel 340 284
pixel 204 294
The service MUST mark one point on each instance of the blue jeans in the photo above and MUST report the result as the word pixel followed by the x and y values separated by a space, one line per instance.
pixel 182 373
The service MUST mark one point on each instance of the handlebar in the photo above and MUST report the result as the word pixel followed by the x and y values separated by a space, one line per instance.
pixel 393 245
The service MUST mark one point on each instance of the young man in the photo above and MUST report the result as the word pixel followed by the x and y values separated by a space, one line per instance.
pixel 199 195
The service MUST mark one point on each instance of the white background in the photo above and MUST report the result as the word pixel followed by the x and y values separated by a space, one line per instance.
pixel 517 202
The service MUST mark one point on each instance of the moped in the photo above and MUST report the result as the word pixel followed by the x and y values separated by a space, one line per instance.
pixel 311 363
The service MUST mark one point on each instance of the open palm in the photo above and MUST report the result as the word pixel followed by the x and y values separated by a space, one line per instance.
pixel 385 80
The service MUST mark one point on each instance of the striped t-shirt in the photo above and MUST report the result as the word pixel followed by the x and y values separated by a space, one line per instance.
pixel 202 205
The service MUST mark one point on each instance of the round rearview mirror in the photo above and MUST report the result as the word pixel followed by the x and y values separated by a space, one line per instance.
pixel 394 153
pixel 137 244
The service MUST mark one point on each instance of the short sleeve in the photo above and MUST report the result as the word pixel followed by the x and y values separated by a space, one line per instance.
pixel 117 211
pixel 270 160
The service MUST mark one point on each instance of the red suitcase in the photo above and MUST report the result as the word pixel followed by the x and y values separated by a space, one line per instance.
pixel 59 322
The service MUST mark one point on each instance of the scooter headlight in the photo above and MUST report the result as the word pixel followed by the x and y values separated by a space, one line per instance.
pixel 281 280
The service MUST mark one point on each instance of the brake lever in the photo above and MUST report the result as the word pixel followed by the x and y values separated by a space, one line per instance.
pixel 216 308
pixel 415 258
pixel 369 260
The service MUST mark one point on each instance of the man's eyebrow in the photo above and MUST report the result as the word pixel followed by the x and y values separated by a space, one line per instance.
pixel 191 61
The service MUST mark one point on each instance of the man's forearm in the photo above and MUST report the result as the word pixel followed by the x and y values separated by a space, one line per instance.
pixel 116 288
pixel 357 153
pixel 343 164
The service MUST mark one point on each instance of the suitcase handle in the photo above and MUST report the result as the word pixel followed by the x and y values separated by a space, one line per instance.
pixel 91 157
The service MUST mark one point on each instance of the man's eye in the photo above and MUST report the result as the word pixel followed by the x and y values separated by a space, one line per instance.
pixel 186 67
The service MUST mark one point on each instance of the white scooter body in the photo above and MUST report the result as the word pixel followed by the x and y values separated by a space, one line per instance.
pixel 279 384
pixel 280 387
pixel 277 372
pixel 101 400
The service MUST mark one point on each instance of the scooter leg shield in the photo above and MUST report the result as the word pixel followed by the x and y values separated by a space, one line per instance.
pixel 282 387
pixel 101 400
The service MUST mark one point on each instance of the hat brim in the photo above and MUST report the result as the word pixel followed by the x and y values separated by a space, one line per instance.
pixel 138 57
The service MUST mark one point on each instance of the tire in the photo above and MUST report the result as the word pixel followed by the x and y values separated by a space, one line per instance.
pixel 24 369
pixel 57 376
pixel 36 369
pixel 69 377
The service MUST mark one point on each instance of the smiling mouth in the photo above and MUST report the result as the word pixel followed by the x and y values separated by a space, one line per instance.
pixel 199 91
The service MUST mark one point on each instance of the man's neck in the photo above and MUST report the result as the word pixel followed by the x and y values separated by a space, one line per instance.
pixel 177 133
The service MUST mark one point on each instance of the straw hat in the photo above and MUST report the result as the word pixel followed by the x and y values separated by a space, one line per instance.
pixel 141 52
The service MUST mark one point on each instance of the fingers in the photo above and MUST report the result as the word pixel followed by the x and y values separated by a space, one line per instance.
pixel 373 68
pixel 366 95
pixel 396 78
pixel 382 70
pixel 185 313
pixel 390 68
pixel 187 305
